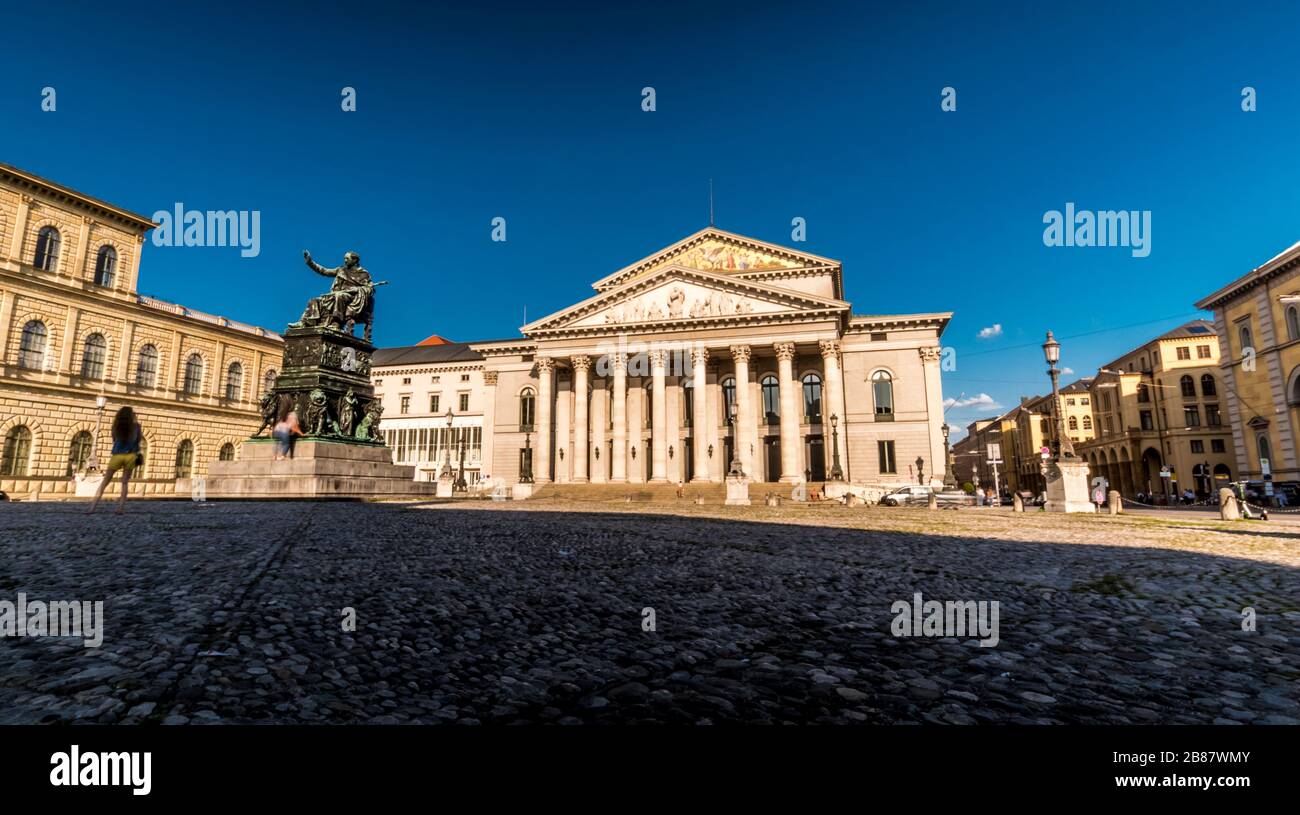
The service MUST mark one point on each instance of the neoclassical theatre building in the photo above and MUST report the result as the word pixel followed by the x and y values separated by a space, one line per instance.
pixel 74 332
pixel 717 346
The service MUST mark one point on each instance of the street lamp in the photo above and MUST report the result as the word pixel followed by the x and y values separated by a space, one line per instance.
pixel 949 479
pixel 446 460
pixel 837 474
pixel 1052 352
pixel 526 472
pixel 92 463
pixel 736 470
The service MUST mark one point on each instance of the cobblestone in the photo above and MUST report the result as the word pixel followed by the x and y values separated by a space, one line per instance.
pixel 533 612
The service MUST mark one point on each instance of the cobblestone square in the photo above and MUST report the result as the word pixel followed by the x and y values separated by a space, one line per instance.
pixel 477 612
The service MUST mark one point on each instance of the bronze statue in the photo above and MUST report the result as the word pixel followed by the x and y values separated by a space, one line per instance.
pixel 317 413
pixel 347 412
pixel 368 428
pixel 350 300
pixel 269 407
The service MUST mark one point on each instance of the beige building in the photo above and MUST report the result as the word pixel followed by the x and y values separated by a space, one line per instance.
pixel 1159 408
pixel 1257 320
pixel 718 345
pixel 74 329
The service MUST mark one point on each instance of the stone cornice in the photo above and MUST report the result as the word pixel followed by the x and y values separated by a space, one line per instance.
pixel 27 183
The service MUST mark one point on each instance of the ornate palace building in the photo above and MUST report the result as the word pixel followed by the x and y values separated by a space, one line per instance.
pixel 718 346
pixel 73 331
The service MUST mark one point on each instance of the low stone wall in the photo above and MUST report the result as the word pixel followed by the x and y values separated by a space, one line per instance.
pixel 40 488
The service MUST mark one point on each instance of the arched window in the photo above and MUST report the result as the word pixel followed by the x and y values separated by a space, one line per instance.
pixel 106 266
pixel 18 449
pixel 1292 323
pixel 184 458
pixel 688 401
pixel 771 398
pixel 268 381
pixel 146 369
pixel 79 451
pixel 47 249
pixel 227 452
pixel 1144 392
pixel 812 397
pixel 193 375
pixel 1187 386
pixel 1244 336
pixel 1074 423
pixel 728 398
pixel 31 350
pixel 527 409
pixel 1208 386
pixel 92 357
pixel 1087 423
pixel 234 381
pixel 882 390
pixel 1264 449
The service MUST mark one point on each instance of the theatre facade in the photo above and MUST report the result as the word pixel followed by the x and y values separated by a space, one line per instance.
pixel 718 347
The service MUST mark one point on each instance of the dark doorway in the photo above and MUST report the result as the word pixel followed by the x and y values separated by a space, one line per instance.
pixel 689 444
pixel 816 459
pixel 772 446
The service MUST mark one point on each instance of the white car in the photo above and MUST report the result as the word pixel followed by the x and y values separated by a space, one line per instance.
pixel 911 494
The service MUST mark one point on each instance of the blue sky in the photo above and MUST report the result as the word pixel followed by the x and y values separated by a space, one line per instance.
pixel 829 112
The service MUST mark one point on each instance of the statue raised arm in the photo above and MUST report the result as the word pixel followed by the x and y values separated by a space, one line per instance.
pixel 316 267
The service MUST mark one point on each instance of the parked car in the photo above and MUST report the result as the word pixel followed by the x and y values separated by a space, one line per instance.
pixel 918 494
pixel 911 494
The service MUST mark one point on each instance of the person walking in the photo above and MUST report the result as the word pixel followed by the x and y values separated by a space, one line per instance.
pixel 284 433
pixel 1099 496
pixel 126 455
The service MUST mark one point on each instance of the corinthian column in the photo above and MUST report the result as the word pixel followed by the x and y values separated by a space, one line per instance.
pixel 545 398
pixel 744 413
pixel 659 417
pixel 832 405
pixel 790 446
pixel 700 421
pixel 581 365
pixel 619 464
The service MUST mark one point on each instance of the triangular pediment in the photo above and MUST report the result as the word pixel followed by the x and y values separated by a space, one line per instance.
pixel 680 295
pixel 715 250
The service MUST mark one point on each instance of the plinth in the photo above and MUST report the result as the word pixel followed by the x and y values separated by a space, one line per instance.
pixel 320 468
pixel 1067 486
pixel 738 490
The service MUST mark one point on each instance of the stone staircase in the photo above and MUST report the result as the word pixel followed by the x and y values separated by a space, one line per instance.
pixel 633 493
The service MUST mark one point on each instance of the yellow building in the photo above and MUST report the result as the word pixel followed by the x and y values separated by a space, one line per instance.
pixel 74 329
pixel 1158 408
pixel 1257 319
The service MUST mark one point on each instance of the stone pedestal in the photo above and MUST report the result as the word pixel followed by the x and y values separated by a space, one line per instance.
pixel 520 492
pixel 1067 486
pixel 87 484
pixel 446 486
pixel 835 490
pixel 319 468
pixel 738 491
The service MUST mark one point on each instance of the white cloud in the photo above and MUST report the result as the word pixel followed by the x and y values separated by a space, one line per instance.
pixel 1067 371
pixel 981 401
pixel 992 331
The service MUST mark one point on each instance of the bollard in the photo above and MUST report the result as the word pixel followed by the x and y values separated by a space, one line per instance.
pixel 933 503
pixel 1228 509
pixel 1017 503
pixel 1116 503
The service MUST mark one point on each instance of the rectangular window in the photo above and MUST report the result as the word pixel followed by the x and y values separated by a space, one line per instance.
pixel 406 380
pixel 1147 424
pixel 1192 415
pixel 434 400
pixel 464 377
pixel 1203 352
pixel 464 402
pixel 1083 401
pixel 1198 446
pixel 1184 352
pixel 1216 446
pixel 885 450
pixel 1212 417
pixel 406 404
pixel 435 380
